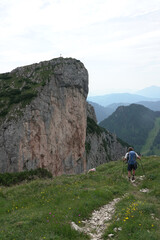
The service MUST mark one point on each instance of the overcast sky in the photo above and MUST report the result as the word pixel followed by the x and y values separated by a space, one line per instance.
pixel 117 40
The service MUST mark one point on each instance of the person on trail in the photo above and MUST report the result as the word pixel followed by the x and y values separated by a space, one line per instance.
pixel 131 157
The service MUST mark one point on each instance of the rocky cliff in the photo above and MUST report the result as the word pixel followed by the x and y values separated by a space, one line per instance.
pixel 43 120
pixel 45 125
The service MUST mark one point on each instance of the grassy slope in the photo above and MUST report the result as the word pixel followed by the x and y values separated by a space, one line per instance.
pixel 43 209
pixel 151 136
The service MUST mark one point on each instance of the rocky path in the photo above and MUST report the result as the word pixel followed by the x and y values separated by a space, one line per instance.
pixel 96 225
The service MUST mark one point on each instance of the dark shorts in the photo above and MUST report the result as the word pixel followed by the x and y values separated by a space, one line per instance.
pixel 132 166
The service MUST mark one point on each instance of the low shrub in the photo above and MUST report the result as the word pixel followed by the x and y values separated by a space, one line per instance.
pixel 8 179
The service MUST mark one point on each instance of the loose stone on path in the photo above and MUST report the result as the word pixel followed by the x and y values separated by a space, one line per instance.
pixel 144 190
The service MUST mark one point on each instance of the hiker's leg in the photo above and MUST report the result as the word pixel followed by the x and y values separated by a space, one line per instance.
pixel 129 175
pixel 133 178
pixel 129 171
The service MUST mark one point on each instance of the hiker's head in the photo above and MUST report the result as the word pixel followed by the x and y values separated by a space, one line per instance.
pixel 130 149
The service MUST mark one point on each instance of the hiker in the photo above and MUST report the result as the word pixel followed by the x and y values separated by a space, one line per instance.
pixel 131 157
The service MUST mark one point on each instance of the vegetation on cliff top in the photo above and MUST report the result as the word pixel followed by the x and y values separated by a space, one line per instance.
pixel 20 86
pixel 44 209
pixel 18 89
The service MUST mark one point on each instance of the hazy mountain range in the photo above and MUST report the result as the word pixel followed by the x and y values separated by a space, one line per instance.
pixel 134 118
pixel 151 92
pixel 105 105
pixel 147 94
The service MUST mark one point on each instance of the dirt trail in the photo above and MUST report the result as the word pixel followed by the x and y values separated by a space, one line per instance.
pixel 97 224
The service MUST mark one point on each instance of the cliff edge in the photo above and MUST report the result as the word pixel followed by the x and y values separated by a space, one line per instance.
pixel 43 117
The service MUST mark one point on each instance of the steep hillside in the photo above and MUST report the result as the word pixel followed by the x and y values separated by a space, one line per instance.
pixel 45 208
pixel 152 144
pixel 132 124
pixel 155 106
pixel 101 145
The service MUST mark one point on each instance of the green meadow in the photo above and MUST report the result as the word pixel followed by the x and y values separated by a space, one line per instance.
pixel 43 208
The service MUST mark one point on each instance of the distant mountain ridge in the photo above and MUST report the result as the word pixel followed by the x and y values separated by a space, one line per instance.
pixel 104 112
pixel 147 94
pixel 108 99
pixel 133 124
pixel 155 106
pixel 150 92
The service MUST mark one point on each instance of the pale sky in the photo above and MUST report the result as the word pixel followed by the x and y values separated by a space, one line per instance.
pixel 117 40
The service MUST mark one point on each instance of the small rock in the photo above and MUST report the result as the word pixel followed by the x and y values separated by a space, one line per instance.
pixel 141 177
pixel 76 227
pixel 92 170
pixel 111 235
pixel 92 222
pixel 144 190
pixel 115 229
pixel 101 223
pixel 119 229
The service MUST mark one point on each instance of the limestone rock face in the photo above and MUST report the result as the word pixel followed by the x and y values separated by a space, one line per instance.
pixel 45 121
pixel 51 131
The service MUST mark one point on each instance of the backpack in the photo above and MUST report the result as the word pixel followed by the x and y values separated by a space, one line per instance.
pixel 131 157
